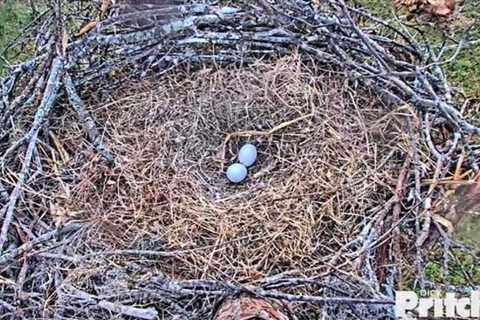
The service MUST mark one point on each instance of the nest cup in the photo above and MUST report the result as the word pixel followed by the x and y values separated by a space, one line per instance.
pixel 326 161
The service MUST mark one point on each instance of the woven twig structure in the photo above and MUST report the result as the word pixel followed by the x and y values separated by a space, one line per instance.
pixel 84 48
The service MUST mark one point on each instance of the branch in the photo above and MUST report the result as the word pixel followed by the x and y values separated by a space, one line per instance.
pixel 46 105
pixel 86 120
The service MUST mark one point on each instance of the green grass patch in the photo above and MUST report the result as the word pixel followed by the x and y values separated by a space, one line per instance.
pixel 469 232
pixel 464 71
pixel 377 8
pixel 463 270
pixel 13 15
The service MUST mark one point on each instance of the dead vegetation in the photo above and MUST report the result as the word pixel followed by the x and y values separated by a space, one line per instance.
pixel 119 206
pixel 329 156
pixel 327 162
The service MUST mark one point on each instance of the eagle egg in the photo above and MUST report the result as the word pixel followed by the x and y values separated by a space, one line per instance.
pixel 247 155
pixel 236 173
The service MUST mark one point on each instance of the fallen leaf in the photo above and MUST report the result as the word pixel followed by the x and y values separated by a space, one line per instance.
pixel 86 28
pixel 248 308
pixel 439 8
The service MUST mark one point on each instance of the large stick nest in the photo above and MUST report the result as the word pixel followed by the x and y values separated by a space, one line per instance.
pixel 115 141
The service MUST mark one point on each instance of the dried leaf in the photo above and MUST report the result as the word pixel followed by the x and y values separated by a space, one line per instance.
pixel 58 214
pixel 468 197
pixel 247 308
pixel 64 42
pixel 441 7
pixel 104 8
pixel 444 222
pixel 463 201
pixel 86 28
pixel 432 7
pixel 61 150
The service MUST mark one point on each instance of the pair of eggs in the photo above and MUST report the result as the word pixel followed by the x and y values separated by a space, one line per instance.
pixel 247 156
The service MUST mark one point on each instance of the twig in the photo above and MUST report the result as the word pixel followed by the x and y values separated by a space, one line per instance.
pixel 12 254
pixel 86 119
pixel 220 288
pixel 45 106
pixel 148 313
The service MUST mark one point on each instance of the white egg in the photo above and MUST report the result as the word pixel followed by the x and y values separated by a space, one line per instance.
pixel 237 172
pixel 247 154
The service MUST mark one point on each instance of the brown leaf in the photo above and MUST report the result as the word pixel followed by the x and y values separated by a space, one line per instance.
pixel 468 197
pixel 465 200
pixel 86 28
pixel 104 8
pixel 439 8
pixel 58 214
pixel 247 308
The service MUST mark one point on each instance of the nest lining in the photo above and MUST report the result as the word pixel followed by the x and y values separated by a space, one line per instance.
pixel 322 166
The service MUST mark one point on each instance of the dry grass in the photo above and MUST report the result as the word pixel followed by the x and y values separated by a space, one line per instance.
pixel 326 158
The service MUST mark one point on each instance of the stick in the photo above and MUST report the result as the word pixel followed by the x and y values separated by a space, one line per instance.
pixel 220 288
pixel 46 105
pixel 148 313
pixel 10 255
pixel 86 119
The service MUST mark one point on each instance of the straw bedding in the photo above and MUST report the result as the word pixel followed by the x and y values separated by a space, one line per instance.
pixel 327 155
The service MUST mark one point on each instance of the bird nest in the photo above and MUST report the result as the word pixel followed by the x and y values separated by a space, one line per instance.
pixel 327 156
pixel 128 211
